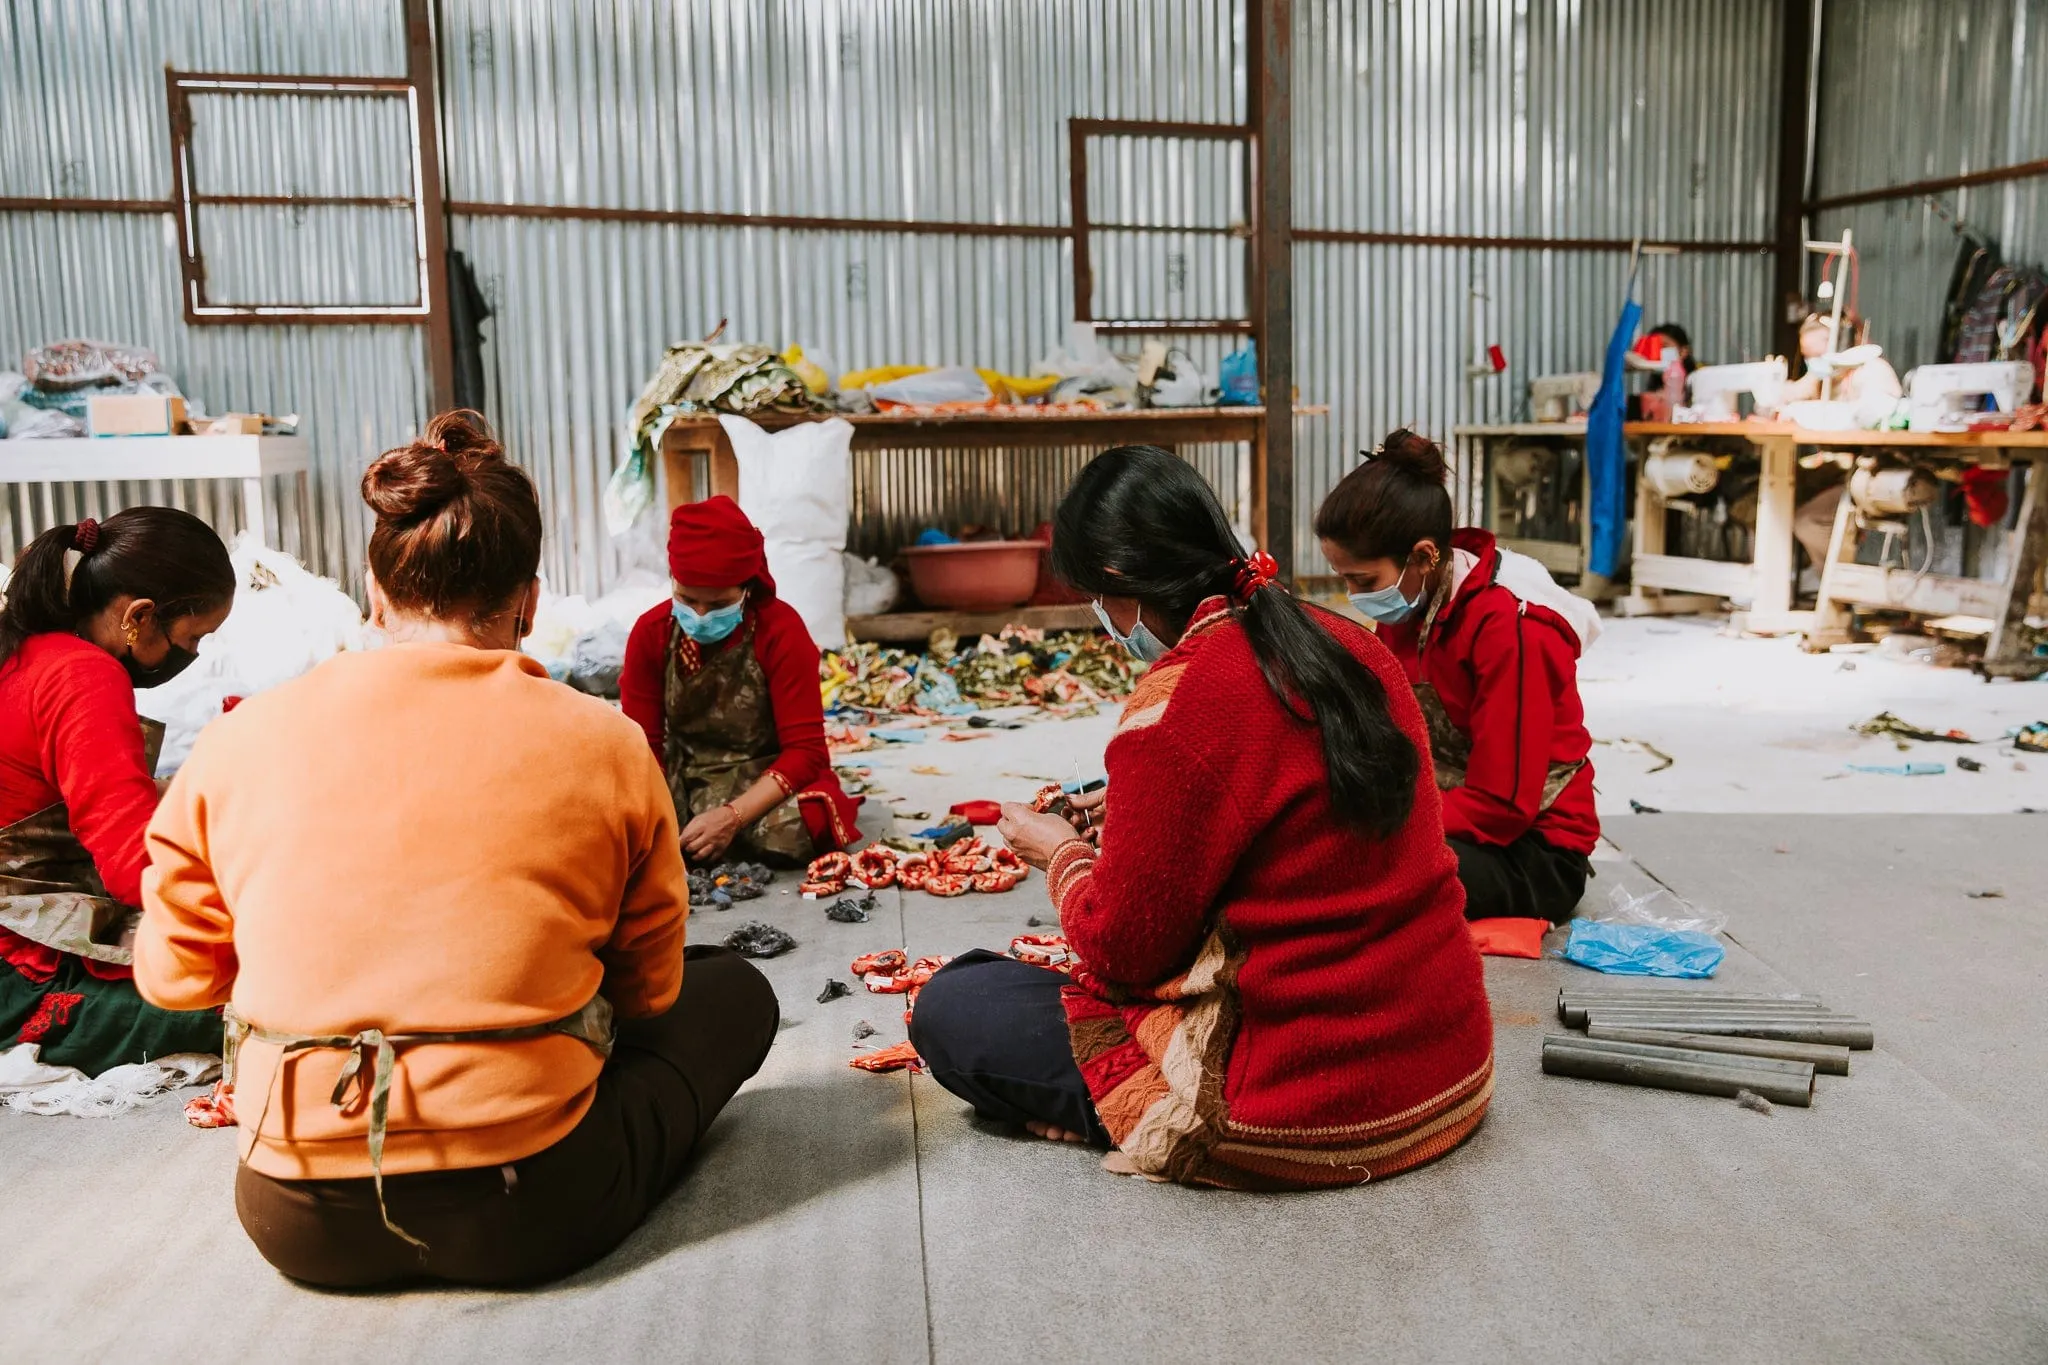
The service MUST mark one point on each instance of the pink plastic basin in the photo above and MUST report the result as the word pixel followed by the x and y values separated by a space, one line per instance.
pixel 986 575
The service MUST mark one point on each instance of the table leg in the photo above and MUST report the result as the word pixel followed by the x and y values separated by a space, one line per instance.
pixel 2009 653
pixel 1830 619
pixel 1772 560
pixel 253 510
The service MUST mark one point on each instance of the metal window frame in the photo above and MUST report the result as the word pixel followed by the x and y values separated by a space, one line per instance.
pixel 187 199
pixel 1079 130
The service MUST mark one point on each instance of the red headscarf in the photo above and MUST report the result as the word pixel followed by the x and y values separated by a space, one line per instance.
pixel 711 544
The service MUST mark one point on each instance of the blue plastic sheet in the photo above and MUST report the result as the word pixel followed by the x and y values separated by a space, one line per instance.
pixel 1642 949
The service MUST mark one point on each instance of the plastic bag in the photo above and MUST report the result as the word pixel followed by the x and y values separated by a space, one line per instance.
pixel 871 588
pixel 71 364
pixel 797 486
pixel 628 493
pixel 1239 376
pixel 955 384
pixel 1654 934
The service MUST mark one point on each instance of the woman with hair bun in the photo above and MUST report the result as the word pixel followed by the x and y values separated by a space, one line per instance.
pixel 93 612
pixel 1491 644
pixel 442 900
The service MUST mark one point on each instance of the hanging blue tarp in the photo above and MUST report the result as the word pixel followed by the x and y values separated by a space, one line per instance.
pixel 1606 460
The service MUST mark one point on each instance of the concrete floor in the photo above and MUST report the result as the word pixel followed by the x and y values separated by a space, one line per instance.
pixel 845 1215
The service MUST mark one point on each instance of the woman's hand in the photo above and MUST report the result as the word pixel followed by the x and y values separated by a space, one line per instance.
pixel 708 836
pixel 1087 812
pixel 1033 835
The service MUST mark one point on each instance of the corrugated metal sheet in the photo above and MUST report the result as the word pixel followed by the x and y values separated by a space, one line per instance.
pixel 1961 91
pixel 1515 118
pixel 87 77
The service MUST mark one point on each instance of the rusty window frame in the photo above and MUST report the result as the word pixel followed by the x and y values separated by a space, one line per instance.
pixel 187 199
pixel 1079 130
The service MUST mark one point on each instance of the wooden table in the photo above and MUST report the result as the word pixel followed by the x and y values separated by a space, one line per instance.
pixel 691 439
pixel 248 460
pixel 1480 501
pixel 1844 583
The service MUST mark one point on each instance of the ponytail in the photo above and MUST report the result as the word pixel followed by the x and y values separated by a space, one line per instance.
pixel 1140 523
pixel 69 574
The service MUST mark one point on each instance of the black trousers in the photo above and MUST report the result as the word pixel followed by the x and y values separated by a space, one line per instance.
pixel 1528 879
pixel 992 1030
pixel 562 1208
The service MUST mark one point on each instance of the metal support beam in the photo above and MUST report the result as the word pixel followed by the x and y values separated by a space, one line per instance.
pixel 1796 52
pixel 422 72
pixel 1270 25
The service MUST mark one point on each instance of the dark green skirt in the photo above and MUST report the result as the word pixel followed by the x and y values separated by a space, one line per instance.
pixel 87 1022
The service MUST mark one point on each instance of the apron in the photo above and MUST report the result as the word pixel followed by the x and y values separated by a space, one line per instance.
pixel 65 987
pixel 592 1025
pixel 720 738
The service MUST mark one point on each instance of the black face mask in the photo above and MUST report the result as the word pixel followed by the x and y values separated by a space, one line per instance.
pixel 177 661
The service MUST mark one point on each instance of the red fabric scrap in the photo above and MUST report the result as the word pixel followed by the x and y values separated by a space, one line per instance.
pixel 53 1011
pixel 978 812
pixel 1508 937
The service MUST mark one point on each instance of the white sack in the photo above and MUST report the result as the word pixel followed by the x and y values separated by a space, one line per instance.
pixel 797 486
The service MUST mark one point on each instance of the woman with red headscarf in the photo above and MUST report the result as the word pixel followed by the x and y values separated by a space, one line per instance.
pixel 724 680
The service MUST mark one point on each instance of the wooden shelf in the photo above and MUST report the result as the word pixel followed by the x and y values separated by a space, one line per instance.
pixel 915 627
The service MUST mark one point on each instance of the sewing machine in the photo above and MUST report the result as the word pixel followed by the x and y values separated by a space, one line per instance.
pixel 1560 397
pixel 1716 387
pixel 1943 397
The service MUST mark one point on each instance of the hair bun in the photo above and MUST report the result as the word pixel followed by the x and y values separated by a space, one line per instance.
pixel 1415 455
pixel 416 481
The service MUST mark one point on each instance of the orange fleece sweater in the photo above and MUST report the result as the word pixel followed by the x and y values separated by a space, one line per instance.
pixel 418 838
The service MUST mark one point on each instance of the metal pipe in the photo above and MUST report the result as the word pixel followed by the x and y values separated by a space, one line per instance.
pixel 1570 1057
pixel 1573 1011
pixel 1617 995
pixel 1855 1034
pixel 1827 1060
pixel 1669 1051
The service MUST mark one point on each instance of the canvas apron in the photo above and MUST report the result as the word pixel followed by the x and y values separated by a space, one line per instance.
pixel 720 739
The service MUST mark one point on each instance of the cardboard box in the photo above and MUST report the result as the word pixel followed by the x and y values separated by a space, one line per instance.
pixel 134 414
pixel 230 424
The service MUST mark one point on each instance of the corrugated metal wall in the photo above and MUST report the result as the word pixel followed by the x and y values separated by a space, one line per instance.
pixel 1911 91
pixel 1516 118
pixel 82 103
pixel 1469 117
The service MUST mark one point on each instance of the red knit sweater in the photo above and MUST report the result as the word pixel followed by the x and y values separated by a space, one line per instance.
pixel 1507 674
pixel 69 732
pixel 1234 929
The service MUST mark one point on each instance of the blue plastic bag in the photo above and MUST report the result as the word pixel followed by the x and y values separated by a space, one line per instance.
pixel 1239 376
pixel 1642 949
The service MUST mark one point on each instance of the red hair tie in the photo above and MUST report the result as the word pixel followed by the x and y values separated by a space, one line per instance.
pixel 85 537
pixel 1254 573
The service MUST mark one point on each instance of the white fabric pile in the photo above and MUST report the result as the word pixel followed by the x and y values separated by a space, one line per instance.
pixel 583 643
pixel 29 1086
pixel 285 620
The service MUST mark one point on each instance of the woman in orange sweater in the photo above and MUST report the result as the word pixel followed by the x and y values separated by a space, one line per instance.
pixel 425 880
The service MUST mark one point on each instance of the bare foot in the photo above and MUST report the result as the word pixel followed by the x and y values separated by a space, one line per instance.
pixel 1052 1134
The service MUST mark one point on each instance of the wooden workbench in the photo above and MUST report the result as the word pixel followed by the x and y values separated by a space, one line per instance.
pixel 692 439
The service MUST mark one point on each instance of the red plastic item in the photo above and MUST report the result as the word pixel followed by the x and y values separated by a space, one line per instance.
pixel 978 812
pixel 1508 937
pixel 1497 358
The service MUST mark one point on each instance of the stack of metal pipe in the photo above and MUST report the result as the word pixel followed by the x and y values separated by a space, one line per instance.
pixel 1706 1042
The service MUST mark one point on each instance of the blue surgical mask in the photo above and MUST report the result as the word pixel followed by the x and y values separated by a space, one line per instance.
pixel 1141 644
pixel 1386 605
pixel 708 628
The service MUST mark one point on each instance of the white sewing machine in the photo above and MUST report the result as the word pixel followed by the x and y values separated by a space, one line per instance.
pixel 1943 397
pixel 1716 387
pixel 1559 397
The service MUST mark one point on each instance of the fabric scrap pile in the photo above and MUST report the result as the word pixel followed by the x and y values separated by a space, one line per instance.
pixel 891 972
pixel 726 883
pixel 47 398
pixel 1065 674
pixel 1902 731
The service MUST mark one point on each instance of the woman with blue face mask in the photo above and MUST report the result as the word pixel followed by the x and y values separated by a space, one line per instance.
pixel 724 680
pixel 1491 645
pixel 1275 989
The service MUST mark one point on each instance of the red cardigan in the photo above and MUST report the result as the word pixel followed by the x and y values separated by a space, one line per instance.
pixel 1233 928
pixel 69 732
pixel 787 656
pixel 1507 673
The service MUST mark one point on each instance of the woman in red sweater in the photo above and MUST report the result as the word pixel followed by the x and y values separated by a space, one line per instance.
pixel 1491 644
pixel 93 612
pixel 1276 986
pixel 724 681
